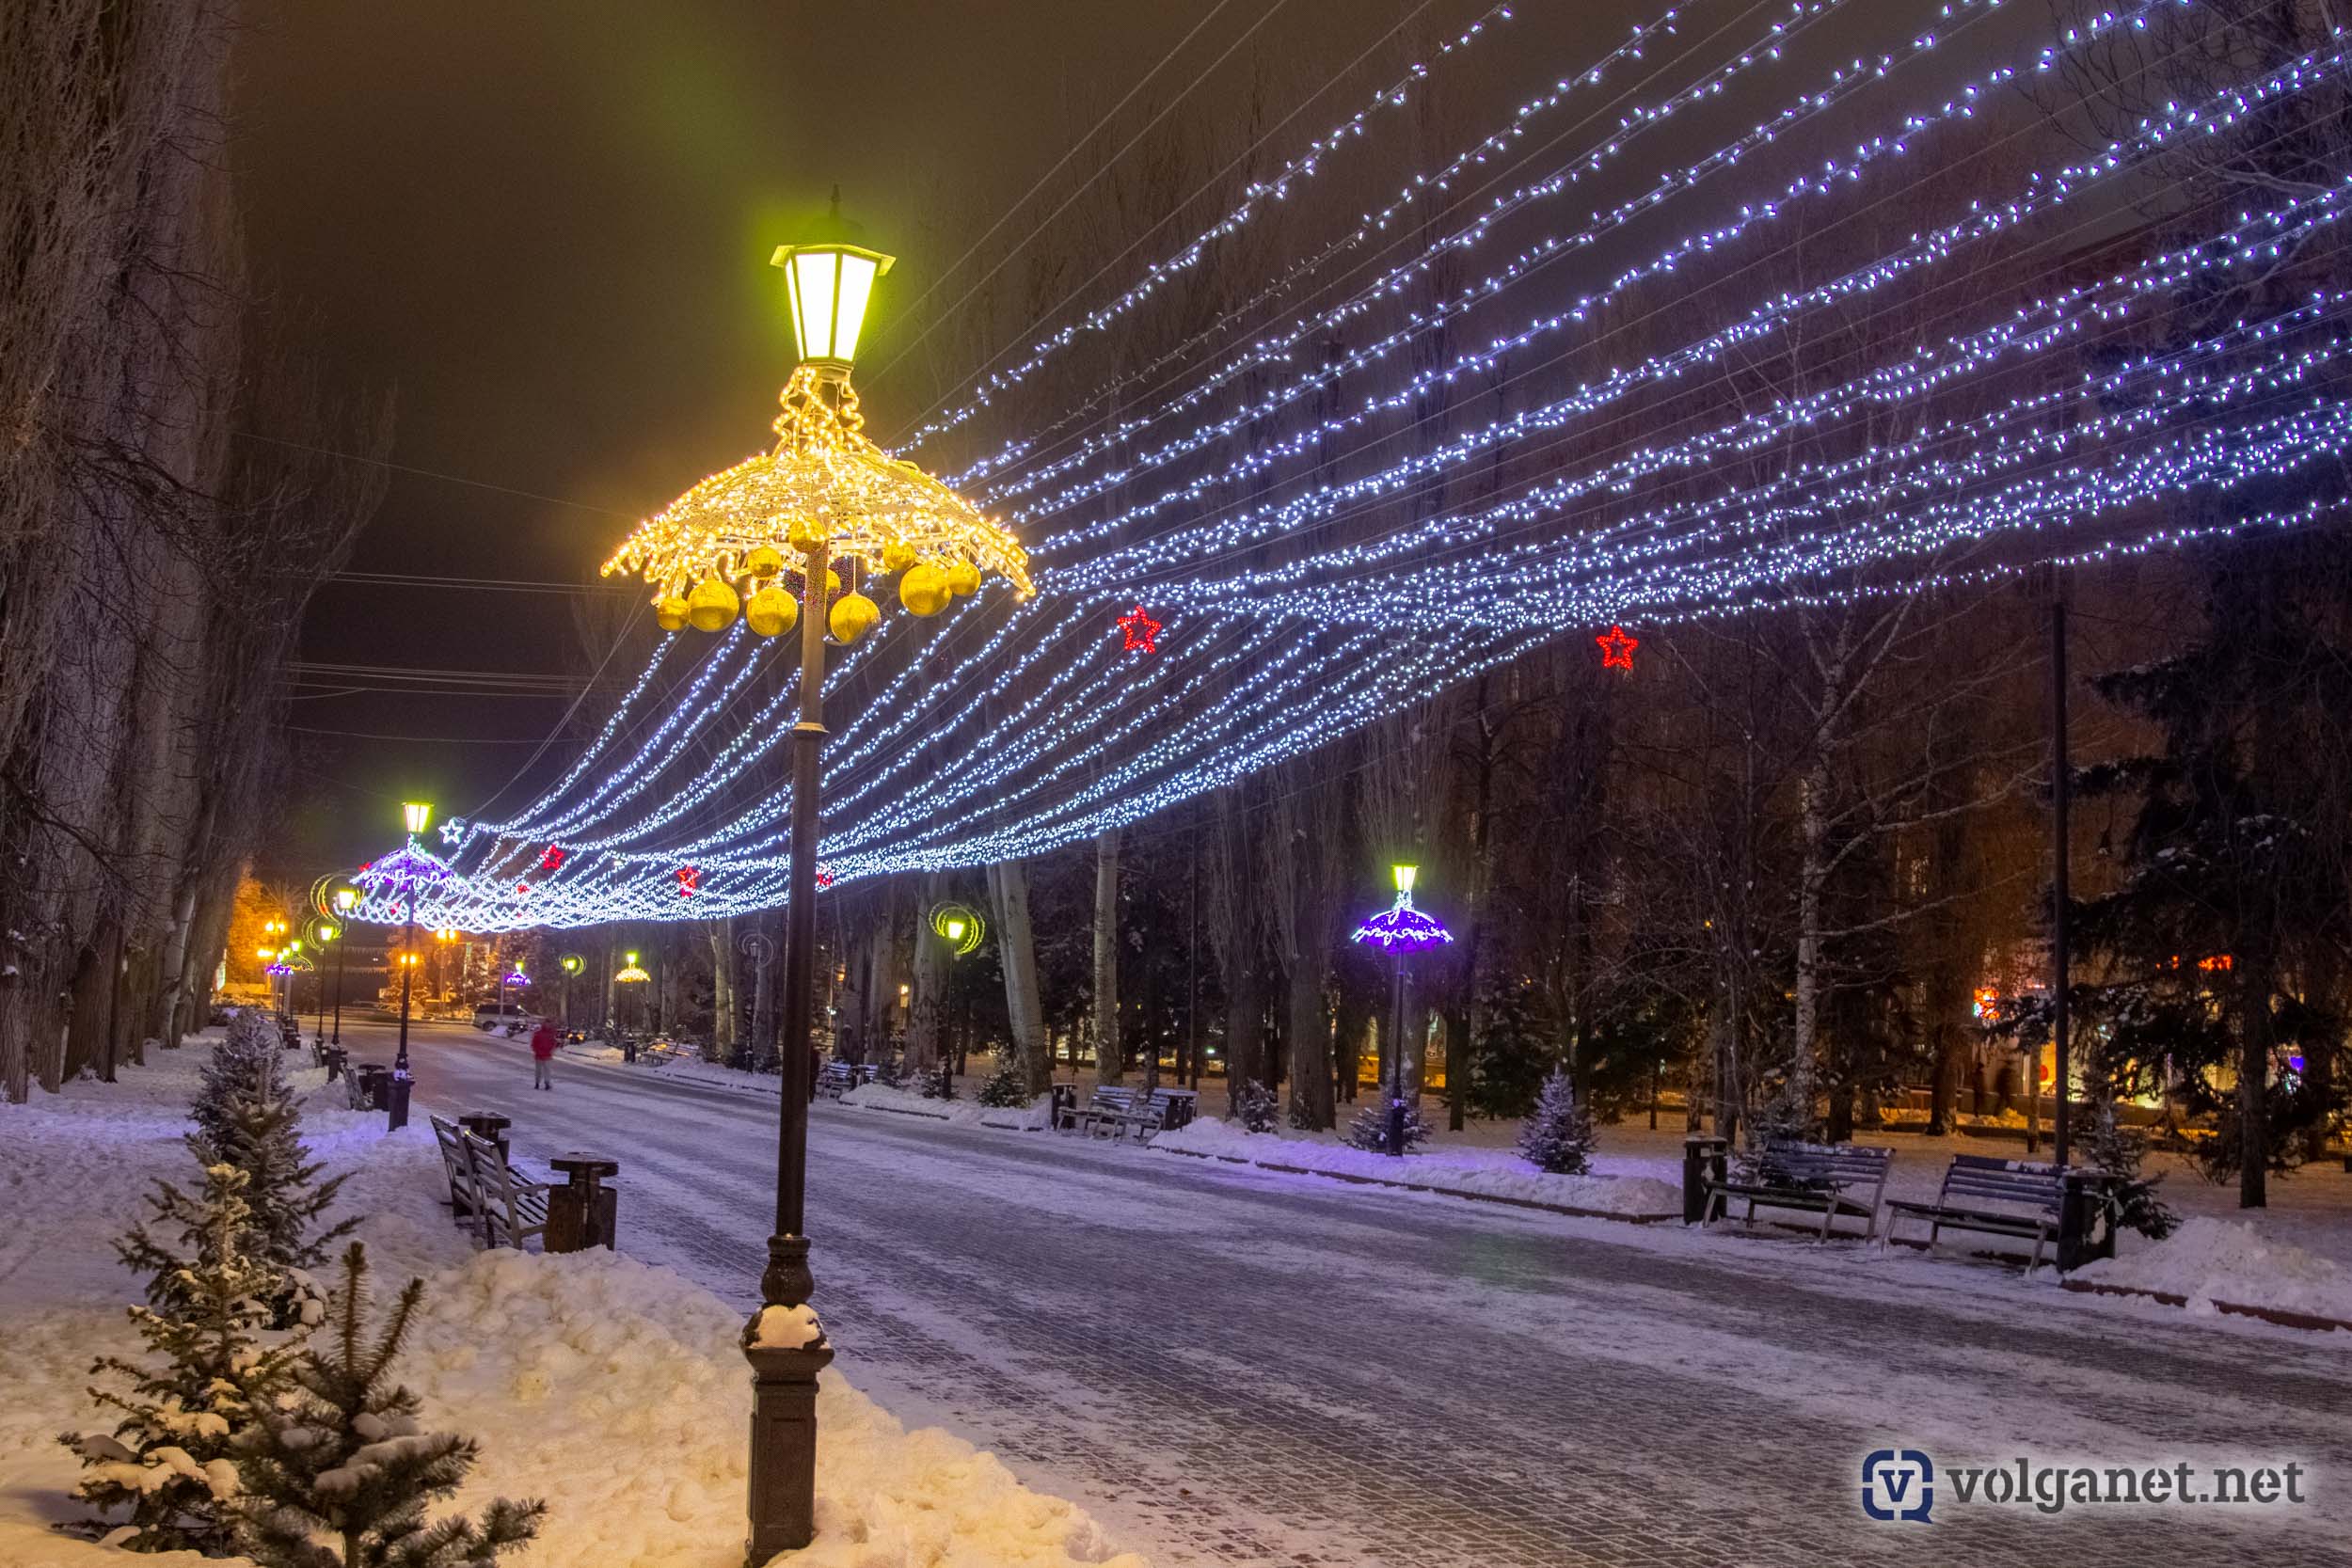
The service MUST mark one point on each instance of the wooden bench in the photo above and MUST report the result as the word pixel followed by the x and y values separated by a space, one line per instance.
pixel 1984 1193
pixel 836 1079
pixel 463 1202
pixel 513 1209
pixel 1116 1110
pixel 1813 1178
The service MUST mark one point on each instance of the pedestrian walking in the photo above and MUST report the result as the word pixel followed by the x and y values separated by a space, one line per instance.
pixel 543 1044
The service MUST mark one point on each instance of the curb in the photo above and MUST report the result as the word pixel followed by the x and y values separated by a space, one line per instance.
pixel 1423 1187
pixel 2284 1319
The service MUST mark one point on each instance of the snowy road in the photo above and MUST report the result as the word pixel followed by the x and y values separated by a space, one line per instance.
pixel 1238 1366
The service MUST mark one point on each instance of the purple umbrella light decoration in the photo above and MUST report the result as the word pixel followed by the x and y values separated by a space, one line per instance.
pixel 1401 927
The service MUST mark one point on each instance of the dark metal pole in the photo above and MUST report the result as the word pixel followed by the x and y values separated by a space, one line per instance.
pixel 1192 963
pixel 342 941
pixel 784 1374
pixel 408 971
pixel 1396 1063
pixel 2061 794
pixel 320 984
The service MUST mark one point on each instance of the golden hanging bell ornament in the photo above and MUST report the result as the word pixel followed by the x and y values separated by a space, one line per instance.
pixel 897 556
pixel 669 613
pixel 962 578
pixel 772 612
pixel 765 560
pixel 852 616
pixel 923 590
pixel 804 534
pixel 711 605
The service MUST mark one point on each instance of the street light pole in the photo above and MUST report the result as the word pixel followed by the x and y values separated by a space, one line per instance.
pixel 337 1037
pixel 783 1377
pixel 1396 1057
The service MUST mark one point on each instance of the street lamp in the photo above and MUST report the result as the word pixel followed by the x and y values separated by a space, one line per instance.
pixel 345 897
pixel 329 935
pixel 829 497
pixel 416 814
pixel 571 964
pixel 1399 931
pixel 630 974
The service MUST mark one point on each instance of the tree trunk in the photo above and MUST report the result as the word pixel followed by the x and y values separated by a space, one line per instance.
pixel 1109 1047
pixel 2253 1079
pixel 1812 874
pixel 1309 1043
pixel 1016 953
pixel 928 1015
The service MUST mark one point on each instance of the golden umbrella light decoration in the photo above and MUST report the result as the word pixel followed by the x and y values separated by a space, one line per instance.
pixel 718 550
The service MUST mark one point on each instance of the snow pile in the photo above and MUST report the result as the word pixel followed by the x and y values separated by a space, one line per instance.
pixel 635 1399
pixel 1484 1172
pixel 2209 1260
pixel 963 1113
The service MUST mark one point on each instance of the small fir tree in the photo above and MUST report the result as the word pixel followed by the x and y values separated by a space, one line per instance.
pixel 167 1466
pixel 1256 1107
pixel 1507 1059
pixel 248 1116
pixel 1558 1137
pixel 338 1473
pixel 1369 1132
pixel 1005 1088
pixel 2115 1151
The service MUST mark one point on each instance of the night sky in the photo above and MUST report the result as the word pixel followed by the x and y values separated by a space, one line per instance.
pixel 545 231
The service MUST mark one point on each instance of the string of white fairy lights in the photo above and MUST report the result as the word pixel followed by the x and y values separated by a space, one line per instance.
pixel 1033 740
pixel 1844 83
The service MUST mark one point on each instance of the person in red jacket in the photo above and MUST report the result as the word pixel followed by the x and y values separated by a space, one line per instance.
pixel 543 1044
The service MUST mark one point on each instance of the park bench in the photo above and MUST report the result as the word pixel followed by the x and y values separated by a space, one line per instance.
pixel 836 1079
pixel 1983 1193
pixel 1116 1111
pixel 1823 1178
pixel 513 1209
pixel 463 1202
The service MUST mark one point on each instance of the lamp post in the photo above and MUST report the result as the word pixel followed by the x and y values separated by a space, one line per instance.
pixel 328 934
pixel 345 899
pixel 831 496
pixel 1398 930
pixel 416 814
pixel 571 964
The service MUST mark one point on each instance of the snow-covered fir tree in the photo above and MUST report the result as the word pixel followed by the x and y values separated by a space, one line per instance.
pixel 338 1473
pixel 1005 1087
pixel 1370 1130
pixel 1255 1107
pixel 1509 1057
pixel 1558 1135
pixel 166 1474
pixel 249 1116
pixel 2115 1151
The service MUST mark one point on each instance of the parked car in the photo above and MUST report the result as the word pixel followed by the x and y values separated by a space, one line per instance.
pixel 490 1016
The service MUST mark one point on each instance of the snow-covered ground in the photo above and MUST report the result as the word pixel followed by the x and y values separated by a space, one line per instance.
pixel 2295 1256
pixel 1476 1169
pixel 607 1385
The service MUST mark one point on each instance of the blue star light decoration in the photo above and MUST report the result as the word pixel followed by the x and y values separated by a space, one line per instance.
pixel 1401 927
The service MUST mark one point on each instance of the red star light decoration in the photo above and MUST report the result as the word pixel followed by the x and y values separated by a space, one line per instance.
pixel 1141 630
pixel 553 859
pixel 689 881
pixel 1616 649
pixel 824 878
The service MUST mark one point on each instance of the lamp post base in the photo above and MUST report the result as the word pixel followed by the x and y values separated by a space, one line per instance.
pixel 783 1481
